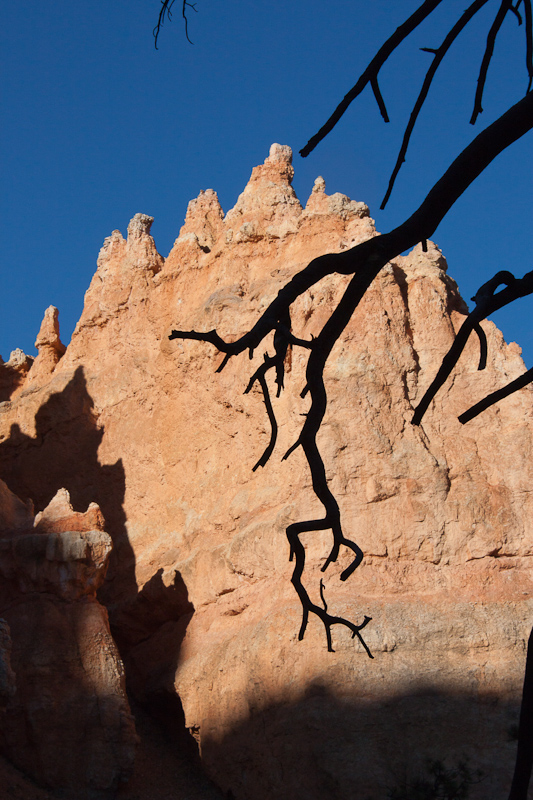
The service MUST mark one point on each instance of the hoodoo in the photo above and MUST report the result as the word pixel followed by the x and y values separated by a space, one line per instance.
pixel 176 582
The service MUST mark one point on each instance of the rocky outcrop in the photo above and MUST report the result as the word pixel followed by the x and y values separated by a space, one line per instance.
pixel 13 373
pixel 66 719
pixel 198 588
pixel 49 346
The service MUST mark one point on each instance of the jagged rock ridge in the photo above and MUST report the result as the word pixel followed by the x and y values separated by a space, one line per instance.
pixel 198 587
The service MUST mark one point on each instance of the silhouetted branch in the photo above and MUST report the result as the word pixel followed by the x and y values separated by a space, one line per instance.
pixel 487 302
pixel 282 339
pixel 297 552
pixel 516 12
pixel 364 262
pixel 370 256
pixel 371 73
pixel 166 10
pixel 490 399
pixel 524 755
pixel 260 377
pixel 483 348
pixel 439 54
pixel 529 41
pixel 506 5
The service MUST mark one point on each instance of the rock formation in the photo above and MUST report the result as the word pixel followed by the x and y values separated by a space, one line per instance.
pixel 13 373
pixel 65 718
pixel 198 587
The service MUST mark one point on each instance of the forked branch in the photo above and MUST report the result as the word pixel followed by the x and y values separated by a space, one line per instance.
pixel 487 301
pixel 363 262
pixel 371 73
pixel 166 11
pixel 438 56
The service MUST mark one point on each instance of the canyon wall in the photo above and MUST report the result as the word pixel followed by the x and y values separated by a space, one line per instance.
pixel 198 587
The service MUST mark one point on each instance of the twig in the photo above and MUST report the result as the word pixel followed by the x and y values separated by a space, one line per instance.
pixel 260 376
pixel 487 300
pixel 371 72
pixel 439 54
pixel 505 6
pixel 166 8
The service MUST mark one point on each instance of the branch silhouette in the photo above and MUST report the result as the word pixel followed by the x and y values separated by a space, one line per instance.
pixel 363 262
pixel 371 73
pixel 166 10
pixel 487 301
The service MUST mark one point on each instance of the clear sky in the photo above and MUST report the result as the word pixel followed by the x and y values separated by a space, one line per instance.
pixel 97 125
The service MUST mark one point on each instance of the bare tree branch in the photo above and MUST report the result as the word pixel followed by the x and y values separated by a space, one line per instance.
pixel 505 6
pixel 166 9
pixel 439 54
pixel 363 262
pixel 370 256
pixel 487 302
pixel 490 399
pixel 259 376
pixel 371 73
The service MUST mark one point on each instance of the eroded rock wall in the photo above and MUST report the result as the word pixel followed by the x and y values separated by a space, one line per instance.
pixel 198 588
pixel 65 719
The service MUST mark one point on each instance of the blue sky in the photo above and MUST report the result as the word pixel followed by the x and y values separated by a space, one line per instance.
pixel 97 125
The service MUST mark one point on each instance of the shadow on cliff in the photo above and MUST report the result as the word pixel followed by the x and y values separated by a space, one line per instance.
pixel 324 747
pixel 64 454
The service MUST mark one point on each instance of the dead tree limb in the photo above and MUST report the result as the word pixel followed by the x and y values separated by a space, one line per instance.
pixel 487 302
pixel 364 262
pixel 166 11
pixel 371 73
pixel 438 56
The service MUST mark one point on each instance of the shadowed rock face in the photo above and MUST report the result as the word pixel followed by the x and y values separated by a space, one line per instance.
pixel 65 719
pixel 198 588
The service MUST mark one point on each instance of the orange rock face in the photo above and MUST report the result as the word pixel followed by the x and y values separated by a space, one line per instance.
pixel 198 589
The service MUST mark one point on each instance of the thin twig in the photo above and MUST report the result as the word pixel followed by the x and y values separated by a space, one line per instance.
pixel 487 300
pixel 505 6
pixel 371 72
pixel 439 54
pixel 186 20
pixel 166 8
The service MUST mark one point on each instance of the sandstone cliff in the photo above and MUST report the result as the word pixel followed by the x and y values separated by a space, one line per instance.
pixel 66 716
pixel 198 587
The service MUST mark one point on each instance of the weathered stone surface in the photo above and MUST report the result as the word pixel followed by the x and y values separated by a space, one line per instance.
pixel 59 516
pixel 198 588
pixel 13 373
pixel 14 514
pixel 66 719
pixel 49 346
